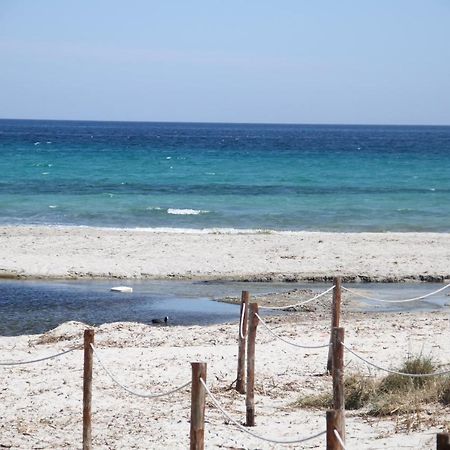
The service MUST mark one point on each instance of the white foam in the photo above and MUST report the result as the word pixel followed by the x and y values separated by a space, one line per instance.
pixel 186 212
pixel 52 206
pixel 172 230
pixel 201 230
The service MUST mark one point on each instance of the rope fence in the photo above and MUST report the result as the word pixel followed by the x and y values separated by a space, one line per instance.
pixel 340 440
pixel 405 300
pixel 414 375
pixel 288 341
pixel 45 358
pixel 248 322
pixel 241 321
pixel 131 391
pixel 296 305
pixel 246 430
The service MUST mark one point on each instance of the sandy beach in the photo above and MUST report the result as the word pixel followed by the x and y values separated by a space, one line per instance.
pixel 43 408
pixel 78 252
pixel 42 401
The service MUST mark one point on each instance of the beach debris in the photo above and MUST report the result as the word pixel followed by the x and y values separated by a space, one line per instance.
pixel 122 289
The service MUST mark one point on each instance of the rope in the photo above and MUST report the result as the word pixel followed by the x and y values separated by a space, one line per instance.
pixel 131 391
pixel 31 361
pixel 395 301
pixel 301 303
pixel 340 440
pixel 415 375
pixel 286 340
pixel 245 430
pixel 242 322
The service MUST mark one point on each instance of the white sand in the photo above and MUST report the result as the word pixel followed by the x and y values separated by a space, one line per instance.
pixel 56 252
pixel 41 403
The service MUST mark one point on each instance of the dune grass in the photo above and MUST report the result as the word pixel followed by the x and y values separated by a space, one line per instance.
pixel 391 395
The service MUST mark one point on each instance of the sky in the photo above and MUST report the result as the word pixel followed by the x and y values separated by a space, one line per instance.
pixel 285 61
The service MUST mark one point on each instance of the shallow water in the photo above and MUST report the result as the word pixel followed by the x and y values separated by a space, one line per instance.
pixel 30 307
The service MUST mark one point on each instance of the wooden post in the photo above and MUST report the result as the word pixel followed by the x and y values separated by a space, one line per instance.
pixel 250 393
pixel 243 319
pixel 198 397
pixel 335 421
pixel 443 441
pixel 87 389
pixel 338 376
pixel 335 315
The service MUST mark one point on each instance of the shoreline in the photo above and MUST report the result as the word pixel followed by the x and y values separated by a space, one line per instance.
pixel 38 252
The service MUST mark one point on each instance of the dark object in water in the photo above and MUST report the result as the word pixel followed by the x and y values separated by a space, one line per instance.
pixel 160 321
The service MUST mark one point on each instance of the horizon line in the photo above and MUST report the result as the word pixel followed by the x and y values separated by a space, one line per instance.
pixel 230 123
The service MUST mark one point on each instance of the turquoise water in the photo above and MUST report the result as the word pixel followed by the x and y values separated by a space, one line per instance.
pixel 284 177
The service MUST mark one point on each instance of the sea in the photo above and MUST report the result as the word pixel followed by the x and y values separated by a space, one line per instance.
pixel 192 176
pixel 233 176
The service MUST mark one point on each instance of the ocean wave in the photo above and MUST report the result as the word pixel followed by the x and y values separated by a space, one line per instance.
pixel 186 212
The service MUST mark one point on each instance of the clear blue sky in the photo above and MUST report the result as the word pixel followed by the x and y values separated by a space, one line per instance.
pixel 295 61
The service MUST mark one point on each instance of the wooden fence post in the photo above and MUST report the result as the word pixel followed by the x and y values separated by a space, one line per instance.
pixel 243 319
pixel 335 421
pixel 443 441
pixel 250 392
pixel 198 397
pixel 338 377
pixel 87 389
pixel 335 316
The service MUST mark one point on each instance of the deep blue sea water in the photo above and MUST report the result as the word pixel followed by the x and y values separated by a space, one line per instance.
pixel 284 177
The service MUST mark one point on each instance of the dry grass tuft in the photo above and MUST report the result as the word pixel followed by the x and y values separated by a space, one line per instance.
pixel 358 391
pixel 402 396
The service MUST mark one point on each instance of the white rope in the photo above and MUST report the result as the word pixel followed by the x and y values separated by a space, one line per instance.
pixel 340 440
pixel 414 375
pixel 131 391
pixel 241 322
pixel 31 361
pixel 395 301
pixel 245 430
pixel 300 303
pixel 286 340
